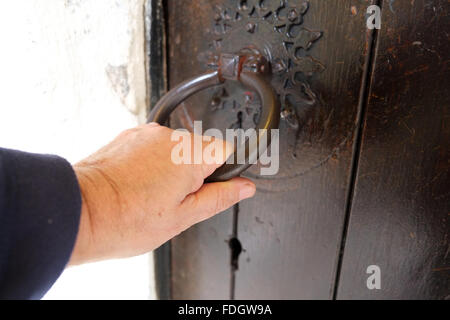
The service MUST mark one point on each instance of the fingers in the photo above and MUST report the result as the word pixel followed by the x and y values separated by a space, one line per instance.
pixel 192 157
pixel 197 156
pixel 213 198
pixel 214 153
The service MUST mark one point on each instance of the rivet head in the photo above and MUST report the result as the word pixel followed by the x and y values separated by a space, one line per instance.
pixel 278 66
pixel 293 15
pixel 215 102
pixel 250 27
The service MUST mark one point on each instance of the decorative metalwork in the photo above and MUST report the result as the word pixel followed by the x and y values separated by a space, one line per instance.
pixel 275 28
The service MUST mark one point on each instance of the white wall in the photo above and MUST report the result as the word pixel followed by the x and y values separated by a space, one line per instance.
pixel 72 77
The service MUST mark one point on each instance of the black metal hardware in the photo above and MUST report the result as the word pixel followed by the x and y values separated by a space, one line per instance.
pixel 250 69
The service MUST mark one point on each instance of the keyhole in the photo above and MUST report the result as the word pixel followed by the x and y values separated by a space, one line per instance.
pixel 236 249
pixel 240 121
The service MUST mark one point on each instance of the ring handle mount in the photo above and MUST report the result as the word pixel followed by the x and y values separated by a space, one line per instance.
pixel 251 70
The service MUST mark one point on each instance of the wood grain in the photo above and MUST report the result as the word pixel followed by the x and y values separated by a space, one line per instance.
pixel 291 237
pixel 200 260
pixel 387 179
pixel 400 210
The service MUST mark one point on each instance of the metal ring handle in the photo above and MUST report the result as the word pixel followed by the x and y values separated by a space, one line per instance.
pixel 270 116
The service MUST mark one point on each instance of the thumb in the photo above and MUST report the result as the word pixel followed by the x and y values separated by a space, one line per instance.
pixel 216 197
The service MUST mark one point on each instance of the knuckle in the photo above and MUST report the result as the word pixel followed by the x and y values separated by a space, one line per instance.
pixel 152 124
pixel 197 184
pixel 197 178
pixel 194 201
pixel 159 129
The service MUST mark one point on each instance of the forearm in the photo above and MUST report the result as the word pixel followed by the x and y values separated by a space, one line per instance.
pixel 40 208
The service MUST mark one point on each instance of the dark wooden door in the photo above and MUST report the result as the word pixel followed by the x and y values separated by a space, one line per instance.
pixel 400 217
pixel 364 152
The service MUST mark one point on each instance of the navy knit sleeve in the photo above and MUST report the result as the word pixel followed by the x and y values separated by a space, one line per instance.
pixel 40 206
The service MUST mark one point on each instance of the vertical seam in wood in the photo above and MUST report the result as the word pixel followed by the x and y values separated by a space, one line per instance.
pixel 232 267
pixel 234 238
pixel 156 50
pixel 155 17
pixel 356 150
pixel 164 16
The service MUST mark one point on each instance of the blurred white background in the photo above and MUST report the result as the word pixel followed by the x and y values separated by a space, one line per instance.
pixel 72 78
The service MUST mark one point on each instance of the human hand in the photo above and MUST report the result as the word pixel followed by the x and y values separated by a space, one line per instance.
pixel 135 198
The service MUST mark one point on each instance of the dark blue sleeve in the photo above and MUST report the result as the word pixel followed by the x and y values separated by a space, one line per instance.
pixel 40 206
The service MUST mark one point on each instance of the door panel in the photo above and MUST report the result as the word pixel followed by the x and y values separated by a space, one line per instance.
pixel 400 212
pixel 201 260
pixel 364 149
pixel 291 231
pixel 200 257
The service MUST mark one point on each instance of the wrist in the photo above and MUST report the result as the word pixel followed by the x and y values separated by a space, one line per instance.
pixel 80 252
pixel 99 223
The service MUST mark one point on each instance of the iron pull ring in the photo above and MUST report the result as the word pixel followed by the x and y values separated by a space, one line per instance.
pixel 270 115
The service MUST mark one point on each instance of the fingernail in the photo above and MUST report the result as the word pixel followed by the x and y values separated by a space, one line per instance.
pixel 247 191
